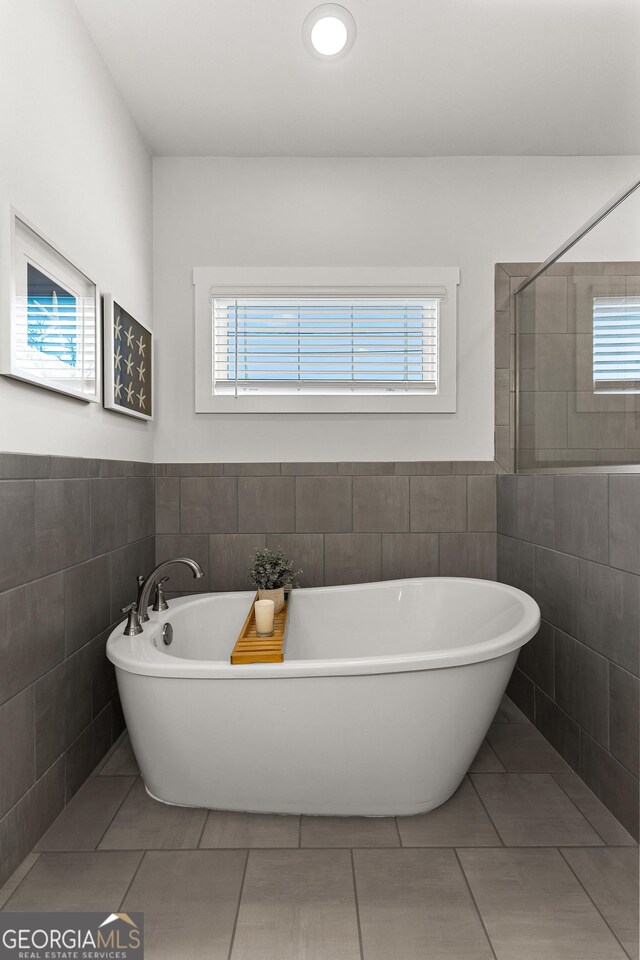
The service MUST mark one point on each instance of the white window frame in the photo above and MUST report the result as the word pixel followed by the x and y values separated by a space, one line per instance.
pixel 210 282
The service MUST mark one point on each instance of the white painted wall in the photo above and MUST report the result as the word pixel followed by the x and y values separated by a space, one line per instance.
pixel 467 212
pixel 72 161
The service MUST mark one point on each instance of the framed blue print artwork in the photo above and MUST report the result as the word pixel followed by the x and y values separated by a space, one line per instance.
pixel 49 327
pixel 128 362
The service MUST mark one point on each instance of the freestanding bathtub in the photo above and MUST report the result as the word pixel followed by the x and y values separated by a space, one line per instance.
pixel 385 695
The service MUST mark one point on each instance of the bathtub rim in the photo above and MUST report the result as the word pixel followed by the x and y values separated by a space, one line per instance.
pixel 157 663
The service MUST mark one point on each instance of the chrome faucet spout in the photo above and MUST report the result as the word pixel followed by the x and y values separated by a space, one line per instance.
pixel 147 586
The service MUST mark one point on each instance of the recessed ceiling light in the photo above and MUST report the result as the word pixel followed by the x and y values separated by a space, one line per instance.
pixel 328 36
pixel 329 31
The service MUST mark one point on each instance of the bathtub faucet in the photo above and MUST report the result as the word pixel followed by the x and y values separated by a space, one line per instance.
pixel 138 612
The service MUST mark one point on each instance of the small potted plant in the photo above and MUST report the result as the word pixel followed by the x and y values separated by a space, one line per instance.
pixel 271 572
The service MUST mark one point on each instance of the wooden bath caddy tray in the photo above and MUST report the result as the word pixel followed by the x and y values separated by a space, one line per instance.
pixel 250 648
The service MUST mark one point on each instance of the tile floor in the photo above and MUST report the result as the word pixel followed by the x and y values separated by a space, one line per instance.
pixel 523 863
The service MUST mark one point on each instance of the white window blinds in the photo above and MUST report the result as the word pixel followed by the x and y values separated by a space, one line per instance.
pixel 616 344
pixel 331 346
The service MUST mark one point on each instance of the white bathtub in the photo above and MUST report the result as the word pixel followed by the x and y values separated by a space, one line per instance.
pixel 383 700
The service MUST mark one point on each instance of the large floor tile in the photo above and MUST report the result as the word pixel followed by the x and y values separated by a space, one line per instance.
pixel 229 829
pixel 84 820
pixel 486 761
pixel 610 877
pixel 145 824
pixel 76 881
pixel 189 899
pixel 122 761
pixel 349 832
pixel 414 905
pixel 601 819
pixel 531 810
pixel 522 749
pixel 534 908
pixel 297 904
pixel 461 821
pixel 16 878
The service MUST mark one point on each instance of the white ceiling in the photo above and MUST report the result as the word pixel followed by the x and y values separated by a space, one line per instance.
pixel 425 77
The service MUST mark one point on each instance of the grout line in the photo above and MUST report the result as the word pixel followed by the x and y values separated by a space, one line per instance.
pixel 473 899
pixel 96 772
pixel 577 638
pixel 482 803
pixel 442 846
pixel 357 905
pixel 554 481
pixel 529 846
pixel 116 812
pixel 609 696
pixel 6 897
pixel 608 476
pixel 204 824
pixel 466 504
pixel 599 912
pixel 351 486
pixel 34 721
pixel 395 820
pixel 65 764
pixel 130 884
pixel 295 504
pixel 235 919
pixel 110 598
pixel 517 773
pixel 593 827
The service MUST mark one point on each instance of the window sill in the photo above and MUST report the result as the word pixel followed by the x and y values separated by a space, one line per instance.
pixel 387 404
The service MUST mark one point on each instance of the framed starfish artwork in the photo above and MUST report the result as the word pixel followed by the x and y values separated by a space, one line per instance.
pixel 128 362
pixel 49 308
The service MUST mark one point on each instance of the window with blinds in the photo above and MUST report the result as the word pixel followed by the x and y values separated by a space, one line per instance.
pixel 331 346
pixel 616 344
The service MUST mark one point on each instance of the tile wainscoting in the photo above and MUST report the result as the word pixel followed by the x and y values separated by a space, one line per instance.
pixel 573 543
pixel 74 533
pixel 339 522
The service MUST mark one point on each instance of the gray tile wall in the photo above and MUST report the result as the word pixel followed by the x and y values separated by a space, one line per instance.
pixel 339 522
pixel 74 533
pixel 573 543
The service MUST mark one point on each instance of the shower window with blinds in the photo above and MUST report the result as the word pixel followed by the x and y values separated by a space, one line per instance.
pixel 616 344
pixel 325 346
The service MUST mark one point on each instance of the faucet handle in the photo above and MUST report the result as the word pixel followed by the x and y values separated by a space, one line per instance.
pixel 160 603
pixel 133 627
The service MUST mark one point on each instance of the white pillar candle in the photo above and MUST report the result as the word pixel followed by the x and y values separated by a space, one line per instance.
pixel 264 617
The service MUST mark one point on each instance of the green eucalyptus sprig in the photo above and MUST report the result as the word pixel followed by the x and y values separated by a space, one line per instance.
pixel 270 569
